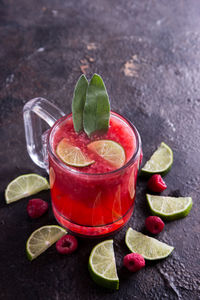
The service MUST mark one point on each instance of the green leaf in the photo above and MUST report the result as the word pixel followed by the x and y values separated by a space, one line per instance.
pixel 78 102
pixel 96 112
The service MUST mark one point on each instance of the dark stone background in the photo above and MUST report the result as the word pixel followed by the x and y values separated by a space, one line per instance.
pixel 149 57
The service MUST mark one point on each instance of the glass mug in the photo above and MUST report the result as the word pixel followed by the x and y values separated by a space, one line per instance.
pixel 87 204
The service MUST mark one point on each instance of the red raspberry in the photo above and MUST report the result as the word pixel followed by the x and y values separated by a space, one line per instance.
pixel 156 183
pixel 67 244
pixel 154 224
pixel 134 262
pixel 36 208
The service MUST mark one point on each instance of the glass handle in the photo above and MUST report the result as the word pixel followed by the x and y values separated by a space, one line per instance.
pixel 34 112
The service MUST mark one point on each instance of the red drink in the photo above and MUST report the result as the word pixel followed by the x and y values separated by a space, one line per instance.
pixel 98 199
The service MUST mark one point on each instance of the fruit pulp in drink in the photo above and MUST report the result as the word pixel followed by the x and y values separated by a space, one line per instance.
pixel 98 199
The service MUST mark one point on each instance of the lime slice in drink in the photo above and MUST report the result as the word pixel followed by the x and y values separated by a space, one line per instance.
pixel 160 162
pixel 102 265
pixel 148 247
pixel 169 208
pixel 72 155
pixel 109 150
pixel 24 186
pixel 42 238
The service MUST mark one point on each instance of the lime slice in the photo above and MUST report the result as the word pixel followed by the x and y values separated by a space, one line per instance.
pixel 72 155
pixel 102 265
pixel 148 247
pixel 42 238
pixel 169 208
pixel 160 162
pixel 24 186
pixel 109 150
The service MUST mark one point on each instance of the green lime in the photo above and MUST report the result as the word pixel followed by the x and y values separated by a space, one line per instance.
pixel 42 238
pixel 169 208
pixel 109 150
pixel 72 155
pixel 160 162
pixel 148 247
pixel 102 265
pixel 24 186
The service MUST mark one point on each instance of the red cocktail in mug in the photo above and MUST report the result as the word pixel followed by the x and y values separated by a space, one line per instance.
pixel 94 200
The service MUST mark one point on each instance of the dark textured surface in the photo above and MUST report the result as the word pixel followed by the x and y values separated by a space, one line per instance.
pixel 148 54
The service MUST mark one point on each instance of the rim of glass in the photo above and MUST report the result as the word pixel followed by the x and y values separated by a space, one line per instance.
pixel 69 169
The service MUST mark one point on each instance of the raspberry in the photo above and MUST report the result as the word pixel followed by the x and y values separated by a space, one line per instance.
pixel 134 262
pixel 154 224
pixel 67 244
pixel 156 183
pixel 36 208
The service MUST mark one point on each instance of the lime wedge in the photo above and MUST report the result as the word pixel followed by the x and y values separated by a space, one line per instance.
pixel 72 155
pixel 24 186
pixel 169 208
pixel 148 247
pixel 160 162
pixel 109 150
pixel 102 265
pixel 42 238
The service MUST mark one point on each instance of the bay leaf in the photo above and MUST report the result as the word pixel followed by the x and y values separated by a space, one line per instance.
pixel 78 102
pixel 96 113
